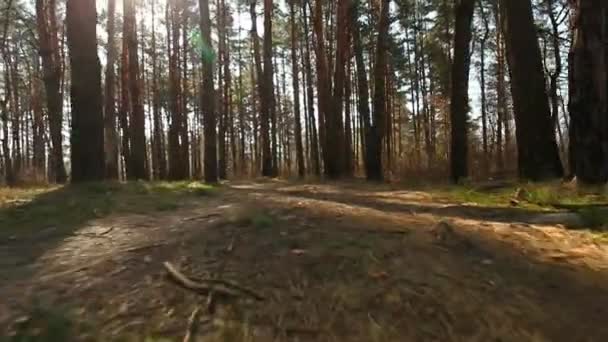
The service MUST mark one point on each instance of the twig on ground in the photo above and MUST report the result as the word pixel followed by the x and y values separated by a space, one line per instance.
pixel 201 217
pixel 193 325
pixel 107 231
pixel 96 235
pixel 209 285
pixel 140 248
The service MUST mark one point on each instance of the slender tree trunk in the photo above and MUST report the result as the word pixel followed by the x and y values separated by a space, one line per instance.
pixel 459 104
pixel 86 140
pixel 137 134
pixel 375 140
pixel 314 142
pixel 39 159
pixel 110 134
pixel 269 81
pixel 158 150
pixel 363 98
pixel 208 98
pixel 176 162
pixel 51 64
pixel 296 91
pixel 263 84
pixel 501 101
pixel 331 160
pixel 125 108
pixel 484 106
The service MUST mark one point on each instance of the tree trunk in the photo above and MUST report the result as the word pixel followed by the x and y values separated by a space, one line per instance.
pixel 137 134
pixel 459 104
pixel 269 83
pixel 331 161
pixel 377 132
pixel 86 139
pixel 158 150
pixel 588 86
pixel 484 106
pixel 208 98
pixel 296 91
pixel 314 141
pixel 110 134
pixel 176 167
pixel 39 153
pixel 265 103
pixel 363 97
pixel 538 155
pixel 51 64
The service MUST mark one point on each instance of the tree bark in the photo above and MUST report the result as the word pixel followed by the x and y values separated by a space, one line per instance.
pixel 86 139
pixel 363 96
pixel 296 91
pixel 378 131
pixel 588 86
pixel 110 134
pixel 538 154
pixel 459 104
pixel 208 98
pixel 51 64
pixel 265 103
pixel 314 140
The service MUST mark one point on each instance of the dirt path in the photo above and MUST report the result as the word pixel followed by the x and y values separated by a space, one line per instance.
pixel 335 262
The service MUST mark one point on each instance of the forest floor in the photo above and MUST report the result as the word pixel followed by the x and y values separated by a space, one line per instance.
pixel 303 262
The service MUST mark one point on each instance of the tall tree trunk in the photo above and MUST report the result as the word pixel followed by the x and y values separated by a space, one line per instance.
pixel 459 104
pixel 183 122
pixel 363 97
pixel 538 155
pixel 269 81
pixel 378 130
pixel 501 101
pixel 588 86
pixel 331 161
pixel 137 133
pixel 296 91
pixel 348 136
pixel 86 139
pixel 208 98
pixel 263 85
pixel 110 134
pixel 125 108
pixel 39 160
pixel 176 167
pixel 221 113
pixel 51 64
pixel 158 150
pixel 555 75
pixel 336 126
pixel 484 106
pixel 314 141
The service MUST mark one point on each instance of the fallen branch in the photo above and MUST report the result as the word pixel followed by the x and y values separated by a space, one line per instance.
pixel 193 325
pixel 96 235
pixel 221 287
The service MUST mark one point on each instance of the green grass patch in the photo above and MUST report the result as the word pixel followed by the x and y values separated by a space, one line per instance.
pixel 530 196
pixel 68 207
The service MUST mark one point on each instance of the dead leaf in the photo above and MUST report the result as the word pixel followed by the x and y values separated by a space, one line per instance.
pixel 299 251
